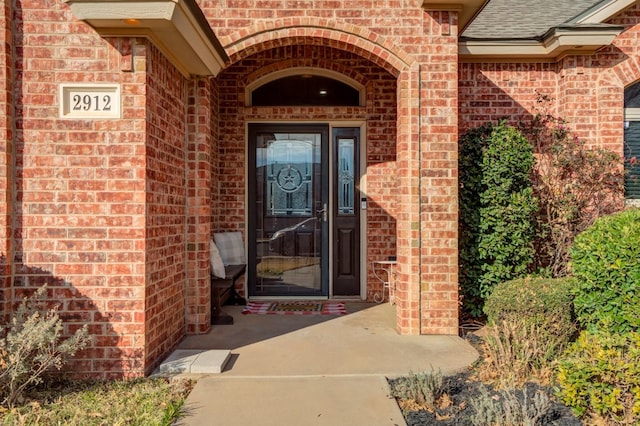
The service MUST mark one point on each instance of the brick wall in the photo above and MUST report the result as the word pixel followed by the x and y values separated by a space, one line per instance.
pixel 116 214
pixel 489 92
pixel 438 196
pixel 201 125
pixel 166 159
pixel 79 221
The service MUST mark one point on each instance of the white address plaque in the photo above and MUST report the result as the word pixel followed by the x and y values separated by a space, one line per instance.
pixel 84 101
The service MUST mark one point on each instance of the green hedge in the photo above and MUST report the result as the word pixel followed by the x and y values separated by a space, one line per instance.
pixel 606 264
pixel 537 299
pixel 600 373
pixel 497 207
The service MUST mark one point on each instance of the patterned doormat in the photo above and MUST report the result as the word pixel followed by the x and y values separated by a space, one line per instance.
pixel 295 308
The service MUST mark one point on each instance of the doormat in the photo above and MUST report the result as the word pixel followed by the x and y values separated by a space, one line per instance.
pixel 295 308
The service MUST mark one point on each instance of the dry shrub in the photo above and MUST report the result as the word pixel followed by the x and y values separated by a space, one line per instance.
pixel 506 409
pixel 575 184
pixel 420 391
pixel 516 351
pixel 32 346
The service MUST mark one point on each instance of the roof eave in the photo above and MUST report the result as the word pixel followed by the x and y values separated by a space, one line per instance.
pixel 555 44
pixel 604 11
pixel 467 9
pixel 177 27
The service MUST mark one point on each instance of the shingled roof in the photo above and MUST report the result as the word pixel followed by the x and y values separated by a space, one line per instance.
pixel 518 19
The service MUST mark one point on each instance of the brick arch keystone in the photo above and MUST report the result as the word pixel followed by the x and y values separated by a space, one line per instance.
pixel 317 31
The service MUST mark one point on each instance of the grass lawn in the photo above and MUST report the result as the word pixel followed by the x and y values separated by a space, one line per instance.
pixel 134 402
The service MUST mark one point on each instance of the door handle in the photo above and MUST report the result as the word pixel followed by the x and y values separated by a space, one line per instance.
pixel 322 214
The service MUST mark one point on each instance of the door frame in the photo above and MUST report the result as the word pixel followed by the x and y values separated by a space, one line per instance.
pixel 364 268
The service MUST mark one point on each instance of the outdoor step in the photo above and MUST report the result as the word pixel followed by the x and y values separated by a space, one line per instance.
pixel 196 361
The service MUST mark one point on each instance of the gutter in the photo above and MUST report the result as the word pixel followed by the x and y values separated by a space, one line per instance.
pixel 562 40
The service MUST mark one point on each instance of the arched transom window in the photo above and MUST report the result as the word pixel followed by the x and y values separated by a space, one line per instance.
pixel 305 87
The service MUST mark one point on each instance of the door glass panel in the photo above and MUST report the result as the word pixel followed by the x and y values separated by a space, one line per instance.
pixel 289 214
pixel 346 180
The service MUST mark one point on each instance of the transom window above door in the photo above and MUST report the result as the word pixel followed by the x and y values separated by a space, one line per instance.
pixel 305 87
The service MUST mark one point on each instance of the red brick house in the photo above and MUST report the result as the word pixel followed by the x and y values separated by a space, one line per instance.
pixel 132 130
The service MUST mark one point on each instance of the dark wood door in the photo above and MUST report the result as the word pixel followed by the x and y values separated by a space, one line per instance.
pixel 346 212
pixel 288 222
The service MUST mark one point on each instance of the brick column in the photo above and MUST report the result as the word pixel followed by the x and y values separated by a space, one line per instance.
pixel 427 298
pixel 439 176
pixel 199 140
pixel 408 208
pixel 6 159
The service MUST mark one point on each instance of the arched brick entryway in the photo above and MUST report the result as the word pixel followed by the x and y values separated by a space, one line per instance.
pixel 413 214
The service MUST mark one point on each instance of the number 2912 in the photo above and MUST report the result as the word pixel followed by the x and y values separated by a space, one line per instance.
pixel 91 102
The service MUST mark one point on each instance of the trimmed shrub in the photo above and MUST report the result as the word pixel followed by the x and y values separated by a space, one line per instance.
pixel 606 264
pixel 600 374
pixel 496 208
pixel 543 302
pixel 529 324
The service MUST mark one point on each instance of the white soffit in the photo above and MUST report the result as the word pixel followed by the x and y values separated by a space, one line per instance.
pixel 178 29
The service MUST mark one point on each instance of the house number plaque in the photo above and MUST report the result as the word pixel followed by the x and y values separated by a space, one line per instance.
pixel 95 101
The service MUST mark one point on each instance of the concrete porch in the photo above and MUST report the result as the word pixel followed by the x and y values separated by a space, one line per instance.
pixel 314 369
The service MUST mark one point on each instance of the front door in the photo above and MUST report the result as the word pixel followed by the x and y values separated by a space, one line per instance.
pixel 345 212
pixel 292 211
pixel 288 242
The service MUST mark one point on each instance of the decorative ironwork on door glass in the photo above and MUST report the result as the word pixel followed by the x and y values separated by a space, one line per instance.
pixel 289 175
pixel 346 180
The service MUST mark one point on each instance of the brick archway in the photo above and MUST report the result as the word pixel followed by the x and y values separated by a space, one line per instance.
pixel 424 134
pixel 307 30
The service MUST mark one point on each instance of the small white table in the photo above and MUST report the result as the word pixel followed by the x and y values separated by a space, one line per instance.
pixel 385 272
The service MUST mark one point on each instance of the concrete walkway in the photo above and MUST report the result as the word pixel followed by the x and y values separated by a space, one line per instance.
pixel 312 370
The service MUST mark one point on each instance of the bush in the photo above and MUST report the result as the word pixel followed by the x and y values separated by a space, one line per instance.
pixel 472 144
pixel 496 209
pixel 421 389
pixel 606 264
pixel 600 374
pixel 543 302
pixel 32 346
pixel 516 352
pixel 506 409
pixel 574 186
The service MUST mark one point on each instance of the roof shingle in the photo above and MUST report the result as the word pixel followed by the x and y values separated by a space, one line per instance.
pixel 518 19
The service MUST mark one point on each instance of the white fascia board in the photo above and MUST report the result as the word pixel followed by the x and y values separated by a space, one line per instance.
pixel 605 11
pixel 169 24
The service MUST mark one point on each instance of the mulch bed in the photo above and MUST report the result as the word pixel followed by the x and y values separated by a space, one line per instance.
pixel 462 388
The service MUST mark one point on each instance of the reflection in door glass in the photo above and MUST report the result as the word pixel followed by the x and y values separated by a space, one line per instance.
pixel 288 196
